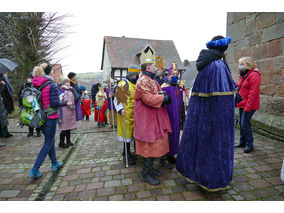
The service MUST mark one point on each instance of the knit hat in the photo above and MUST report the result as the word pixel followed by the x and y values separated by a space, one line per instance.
pixel 133 70
pixel 63 79
pixel 30 75
pixel 219 43
pixel 46 67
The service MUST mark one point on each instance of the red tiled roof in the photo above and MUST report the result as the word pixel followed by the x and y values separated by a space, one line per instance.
pixel 122 51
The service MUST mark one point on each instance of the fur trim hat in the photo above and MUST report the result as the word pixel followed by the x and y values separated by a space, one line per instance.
pixel 219 43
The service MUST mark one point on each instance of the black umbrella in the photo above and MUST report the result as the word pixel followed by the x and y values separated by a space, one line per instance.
pixel 7 65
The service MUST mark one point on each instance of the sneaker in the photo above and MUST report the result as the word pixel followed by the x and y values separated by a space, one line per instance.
pixel 56 166
pixel 2 144
pixel 34 174
pixel 38 134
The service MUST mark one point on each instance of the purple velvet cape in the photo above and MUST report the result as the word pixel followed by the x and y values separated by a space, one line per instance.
pixel 174 112
pixel 206 151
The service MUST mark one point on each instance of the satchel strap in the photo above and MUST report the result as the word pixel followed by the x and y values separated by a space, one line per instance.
pixel 244 81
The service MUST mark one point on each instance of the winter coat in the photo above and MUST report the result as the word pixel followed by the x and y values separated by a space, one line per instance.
pixel 67 114
pixel 49 95
pixel 206 57
pixel 249 90
pixel 3 114
pixel 76 87
pixel 6 94
pixel 8 84
pixel 94 91
pixel 86 108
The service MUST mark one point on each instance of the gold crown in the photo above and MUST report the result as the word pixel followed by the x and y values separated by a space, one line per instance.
pixel 159 62
pixel 175 71
pixel 148 56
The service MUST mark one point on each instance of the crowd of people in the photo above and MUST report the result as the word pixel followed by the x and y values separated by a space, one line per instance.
pixel 154 113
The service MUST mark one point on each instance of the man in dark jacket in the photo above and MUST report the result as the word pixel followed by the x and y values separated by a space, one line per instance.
pixel 6 106
pixel 3 114
pixel 28 83
pixel 95 89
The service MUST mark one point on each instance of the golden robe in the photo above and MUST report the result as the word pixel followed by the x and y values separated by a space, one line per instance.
pixel 129 115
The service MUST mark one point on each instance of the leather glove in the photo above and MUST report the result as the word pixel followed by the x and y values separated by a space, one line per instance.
pixel 167 99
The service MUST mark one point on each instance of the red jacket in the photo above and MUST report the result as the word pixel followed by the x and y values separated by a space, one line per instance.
pixel 86 108
pixel 250 90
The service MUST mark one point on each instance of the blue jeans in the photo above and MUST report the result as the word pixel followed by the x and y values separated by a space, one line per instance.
pixel 246 136
pixel 48 130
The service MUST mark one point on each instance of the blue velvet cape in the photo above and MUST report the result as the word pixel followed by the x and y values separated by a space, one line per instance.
pixel 206 151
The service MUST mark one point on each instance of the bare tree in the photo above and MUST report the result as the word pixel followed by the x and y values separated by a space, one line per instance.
pixel 30 39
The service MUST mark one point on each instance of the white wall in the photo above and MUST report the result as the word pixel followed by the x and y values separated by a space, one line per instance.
pixel 106 66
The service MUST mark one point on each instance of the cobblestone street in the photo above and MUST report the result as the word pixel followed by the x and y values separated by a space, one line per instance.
pixel 93 170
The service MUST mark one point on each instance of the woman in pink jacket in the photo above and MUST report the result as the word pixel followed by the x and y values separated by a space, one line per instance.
pixel 248 88
pixel 44 78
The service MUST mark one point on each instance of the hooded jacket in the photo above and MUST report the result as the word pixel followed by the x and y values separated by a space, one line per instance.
pixel 3 114
pixel 206 57
pixel 49 94
pixel 249 90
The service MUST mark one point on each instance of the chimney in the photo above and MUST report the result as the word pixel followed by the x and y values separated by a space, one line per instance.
pixel 185 63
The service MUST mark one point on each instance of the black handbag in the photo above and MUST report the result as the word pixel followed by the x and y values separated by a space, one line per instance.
pixel 238 98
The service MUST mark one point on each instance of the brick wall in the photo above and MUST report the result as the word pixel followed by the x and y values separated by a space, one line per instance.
pixel 261 36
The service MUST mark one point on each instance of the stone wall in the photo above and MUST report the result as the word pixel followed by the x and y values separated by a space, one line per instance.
pixel 261 36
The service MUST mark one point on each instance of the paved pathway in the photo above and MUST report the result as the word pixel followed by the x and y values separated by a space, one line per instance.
pixel 93 170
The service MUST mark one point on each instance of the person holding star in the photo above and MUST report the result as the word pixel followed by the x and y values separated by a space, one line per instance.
pixel 127 110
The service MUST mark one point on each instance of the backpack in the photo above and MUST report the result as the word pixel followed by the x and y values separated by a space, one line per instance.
pixel 32 113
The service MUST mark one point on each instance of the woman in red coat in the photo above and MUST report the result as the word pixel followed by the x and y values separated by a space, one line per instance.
pixel 248 88
pixel 86 108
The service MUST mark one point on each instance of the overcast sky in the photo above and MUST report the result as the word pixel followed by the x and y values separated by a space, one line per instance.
pixel 190 24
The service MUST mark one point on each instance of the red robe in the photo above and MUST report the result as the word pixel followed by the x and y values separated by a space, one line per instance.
pixel 151 120
pixel 102 112
pixel 86 108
